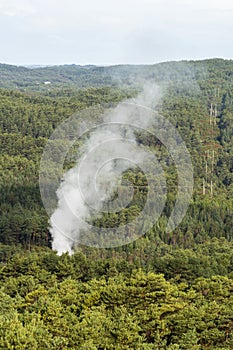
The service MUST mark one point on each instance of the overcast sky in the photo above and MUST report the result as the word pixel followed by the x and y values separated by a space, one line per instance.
pixel 111 32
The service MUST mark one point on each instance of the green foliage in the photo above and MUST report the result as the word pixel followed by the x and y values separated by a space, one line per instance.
pixel 163 291
pixel 140 311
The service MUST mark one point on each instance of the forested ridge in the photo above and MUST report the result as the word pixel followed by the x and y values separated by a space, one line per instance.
pixel 163 291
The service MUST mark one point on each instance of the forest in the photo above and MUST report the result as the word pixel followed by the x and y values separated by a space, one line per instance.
pixel 165 290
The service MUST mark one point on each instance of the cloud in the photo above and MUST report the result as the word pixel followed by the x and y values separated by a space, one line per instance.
pixel 43 23
pixel 20 8
pixel 123 31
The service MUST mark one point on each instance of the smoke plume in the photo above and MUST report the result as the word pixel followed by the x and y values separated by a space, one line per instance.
pixel 108 146
pixel 89 185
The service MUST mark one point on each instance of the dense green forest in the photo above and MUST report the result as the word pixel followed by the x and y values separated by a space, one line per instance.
pixel 163 291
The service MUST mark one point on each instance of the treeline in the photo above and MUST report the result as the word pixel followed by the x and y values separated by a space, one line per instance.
pixel 47 79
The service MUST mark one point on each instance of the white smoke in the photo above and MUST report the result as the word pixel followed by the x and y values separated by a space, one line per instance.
pixel 90 184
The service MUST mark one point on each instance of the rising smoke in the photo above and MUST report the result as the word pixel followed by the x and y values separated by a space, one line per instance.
pixel 87 187
pixel 109 148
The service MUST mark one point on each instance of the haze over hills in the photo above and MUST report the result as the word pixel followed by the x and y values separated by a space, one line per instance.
pixel 76 76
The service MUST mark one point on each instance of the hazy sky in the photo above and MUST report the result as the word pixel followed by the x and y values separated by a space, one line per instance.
pixel 112 32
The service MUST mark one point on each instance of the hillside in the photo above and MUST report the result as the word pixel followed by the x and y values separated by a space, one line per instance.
pixel 75 76
pixel 163 291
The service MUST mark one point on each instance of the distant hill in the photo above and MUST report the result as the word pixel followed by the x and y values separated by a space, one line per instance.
pixel 75 76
